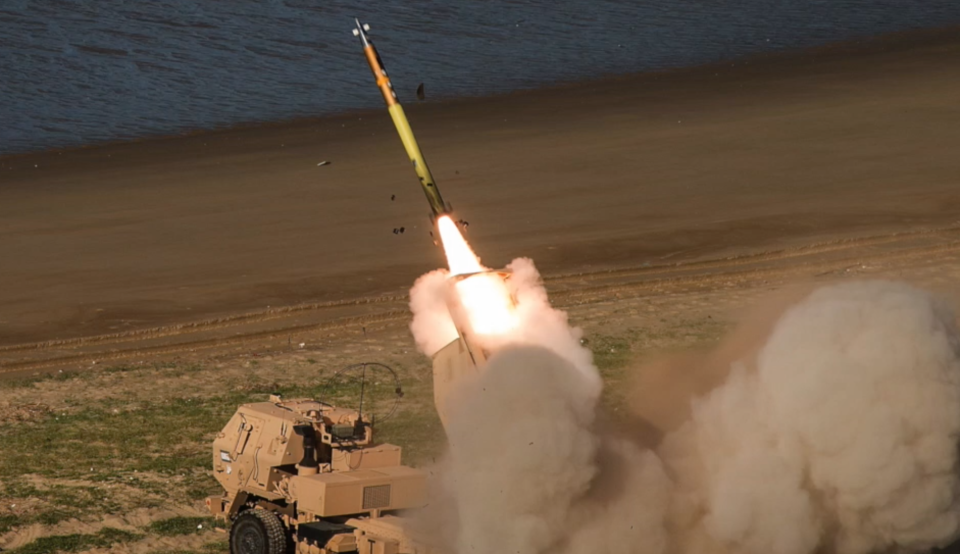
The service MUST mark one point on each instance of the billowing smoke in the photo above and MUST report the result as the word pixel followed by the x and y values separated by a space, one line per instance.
pixel 837 432
pixel 538 323
pixel 432 326
pixel 841 434
pixel 530 473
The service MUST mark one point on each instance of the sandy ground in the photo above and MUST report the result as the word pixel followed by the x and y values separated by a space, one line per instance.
pixel 660 208
pixel 739 157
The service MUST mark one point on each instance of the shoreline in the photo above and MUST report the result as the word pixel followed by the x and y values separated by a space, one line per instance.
pixel 865 46
pixel 653 168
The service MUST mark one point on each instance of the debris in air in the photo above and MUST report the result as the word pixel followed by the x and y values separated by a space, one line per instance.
pixel 325 162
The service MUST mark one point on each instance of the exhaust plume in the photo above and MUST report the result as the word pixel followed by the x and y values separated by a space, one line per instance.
pixel 530 473
pixel 832 428
pixel 431 326
pixel 843 435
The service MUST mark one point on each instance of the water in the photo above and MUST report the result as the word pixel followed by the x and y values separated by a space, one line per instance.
pixel 76 72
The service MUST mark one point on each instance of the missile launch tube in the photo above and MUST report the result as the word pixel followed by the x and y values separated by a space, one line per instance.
pixel 400 122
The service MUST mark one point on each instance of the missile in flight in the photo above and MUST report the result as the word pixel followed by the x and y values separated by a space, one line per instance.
pixel 400 122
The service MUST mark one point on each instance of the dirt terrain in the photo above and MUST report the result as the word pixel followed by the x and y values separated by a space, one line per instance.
pixel 116 458
pixel 844 141
pixel 148 288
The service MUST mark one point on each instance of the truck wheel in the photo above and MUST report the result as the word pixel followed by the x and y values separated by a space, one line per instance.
pixel 257 532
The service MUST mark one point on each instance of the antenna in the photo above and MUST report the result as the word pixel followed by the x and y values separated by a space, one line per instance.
pixel 358 426
pixel 376 368
pixel 363 382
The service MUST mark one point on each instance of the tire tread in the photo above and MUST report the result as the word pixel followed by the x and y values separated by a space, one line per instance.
pixel 275 533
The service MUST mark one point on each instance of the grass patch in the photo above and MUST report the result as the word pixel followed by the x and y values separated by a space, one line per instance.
pixel 610 353
pixel 618 356
pixel 215 547
pixel 176 526
pixel 171 369
pixel 8 522
pixel 104 538
pixel 46 517
pixel 25 382
pixel 53 517
pixel 162 448
pixel 97 443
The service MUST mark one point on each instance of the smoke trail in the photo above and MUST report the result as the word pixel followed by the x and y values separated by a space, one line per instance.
pixel 530 473
pixel 528 470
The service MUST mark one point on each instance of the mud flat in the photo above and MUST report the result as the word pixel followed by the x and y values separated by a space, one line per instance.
pixel 847 141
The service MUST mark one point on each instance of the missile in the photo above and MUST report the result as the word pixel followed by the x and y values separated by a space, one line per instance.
pixel 400 122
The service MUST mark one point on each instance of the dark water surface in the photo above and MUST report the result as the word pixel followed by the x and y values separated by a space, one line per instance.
pixel 75 72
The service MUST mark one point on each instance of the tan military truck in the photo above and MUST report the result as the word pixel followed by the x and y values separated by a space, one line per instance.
pixel 300 473
pixel 306 477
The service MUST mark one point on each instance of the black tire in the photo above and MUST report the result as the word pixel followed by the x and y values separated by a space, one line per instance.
pixel 258 532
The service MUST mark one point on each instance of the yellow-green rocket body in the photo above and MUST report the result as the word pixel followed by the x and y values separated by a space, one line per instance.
pixel 402 124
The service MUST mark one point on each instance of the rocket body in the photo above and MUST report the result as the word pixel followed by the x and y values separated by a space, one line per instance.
pixel 400 122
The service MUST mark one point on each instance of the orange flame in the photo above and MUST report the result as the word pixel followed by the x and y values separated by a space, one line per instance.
pixel 484 296
pixel 460 257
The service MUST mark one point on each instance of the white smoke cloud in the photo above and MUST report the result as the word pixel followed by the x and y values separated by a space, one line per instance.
pixel 844 435
pixel 431 326
pixel 538 323
pixel 838 434
pixel 530 474
pixel 865 378
pixel 521 452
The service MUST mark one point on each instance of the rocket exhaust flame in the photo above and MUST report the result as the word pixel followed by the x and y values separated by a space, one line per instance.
pixel 485 298
pixel 460 257
pixel 483 295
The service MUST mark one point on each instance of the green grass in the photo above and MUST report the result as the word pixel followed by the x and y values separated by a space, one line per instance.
pixel 25 382
pixel 171 369
pixel 215 547
pixel 176 526
pixel 161 448
pixel 8 522
pixel 104 538
pixel 618 355
pixel 116 442
pixel 45 517
pixel 610 353
pixel 115 439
